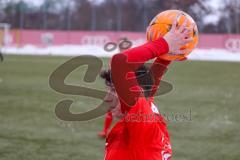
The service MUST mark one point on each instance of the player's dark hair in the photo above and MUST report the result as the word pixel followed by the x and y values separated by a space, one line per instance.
pixel 144 79
pixel 106 75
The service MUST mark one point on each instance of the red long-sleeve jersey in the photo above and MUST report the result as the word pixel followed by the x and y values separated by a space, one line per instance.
pixel 142 133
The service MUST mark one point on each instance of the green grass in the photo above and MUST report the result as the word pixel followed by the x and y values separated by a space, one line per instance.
pixel 30 130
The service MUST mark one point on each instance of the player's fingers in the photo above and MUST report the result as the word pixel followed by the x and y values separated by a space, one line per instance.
pixel 187 30
pixel 181 52
pixel 188 40
pixel 187 35
pixel 185 41
pixel 175 23
pixel 183 26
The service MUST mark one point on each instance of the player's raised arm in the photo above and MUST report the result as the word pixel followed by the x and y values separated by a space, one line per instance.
pixel 129 61
pixel 157 70
pixel 124 63
pixel 175 38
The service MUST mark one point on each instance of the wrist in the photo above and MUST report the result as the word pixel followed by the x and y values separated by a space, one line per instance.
pixel 166 44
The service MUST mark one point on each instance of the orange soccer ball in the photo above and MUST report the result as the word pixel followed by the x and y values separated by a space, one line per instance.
pixel 162 23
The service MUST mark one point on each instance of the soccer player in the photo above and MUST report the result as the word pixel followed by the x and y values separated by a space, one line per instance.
pixel 124 44
pixel 141 133
pixel 105 74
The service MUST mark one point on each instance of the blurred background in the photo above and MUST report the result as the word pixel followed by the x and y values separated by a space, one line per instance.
pixel 212 16
pixel 56 25
pixel 37 36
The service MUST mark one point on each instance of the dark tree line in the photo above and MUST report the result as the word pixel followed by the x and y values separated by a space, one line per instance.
pixel 118 15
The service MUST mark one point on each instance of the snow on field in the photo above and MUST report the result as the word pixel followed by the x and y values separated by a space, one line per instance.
pixel 76 50
pixel 64 50
pixel 214 55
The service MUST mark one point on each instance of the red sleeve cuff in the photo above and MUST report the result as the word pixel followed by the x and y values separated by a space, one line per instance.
pixel 158 47
pixel 165 44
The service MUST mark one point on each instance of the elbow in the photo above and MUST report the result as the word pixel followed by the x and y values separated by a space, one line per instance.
pixel 117 61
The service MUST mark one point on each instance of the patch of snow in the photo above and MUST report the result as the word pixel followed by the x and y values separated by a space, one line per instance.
pixel 76 50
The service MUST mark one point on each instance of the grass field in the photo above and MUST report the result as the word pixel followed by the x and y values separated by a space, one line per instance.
pixel 29 129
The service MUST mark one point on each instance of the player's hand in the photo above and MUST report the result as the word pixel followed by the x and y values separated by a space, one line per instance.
pixel 178 36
